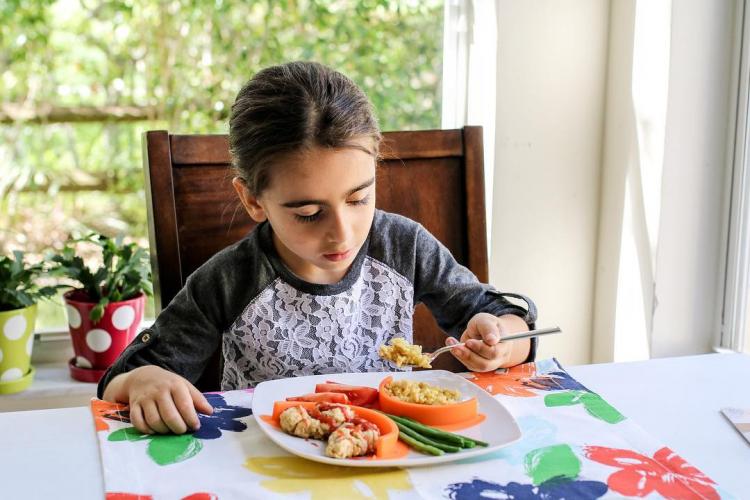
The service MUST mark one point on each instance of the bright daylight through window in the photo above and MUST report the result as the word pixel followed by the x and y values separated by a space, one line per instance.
pixel 82 80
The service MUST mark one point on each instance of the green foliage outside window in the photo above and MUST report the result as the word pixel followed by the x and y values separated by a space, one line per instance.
pixel 81 80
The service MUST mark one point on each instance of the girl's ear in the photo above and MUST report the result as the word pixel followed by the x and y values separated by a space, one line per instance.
pixel 250 202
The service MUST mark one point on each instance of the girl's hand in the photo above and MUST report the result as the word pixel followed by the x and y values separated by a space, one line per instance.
pixel 160 401
pixel 483 351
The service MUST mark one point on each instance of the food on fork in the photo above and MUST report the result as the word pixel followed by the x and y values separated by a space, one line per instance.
pixel 421 393
pixel 403 353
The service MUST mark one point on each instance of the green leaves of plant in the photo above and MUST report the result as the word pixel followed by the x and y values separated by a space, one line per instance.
pixel 18 283
pixel 124 273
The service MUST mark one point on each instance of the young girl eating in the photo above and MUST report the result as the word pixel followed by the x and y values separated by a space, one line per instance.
pixel 323 280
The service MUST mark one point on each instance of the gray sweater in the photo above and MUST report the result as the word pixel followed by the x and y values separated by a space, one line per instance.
pixel 270 324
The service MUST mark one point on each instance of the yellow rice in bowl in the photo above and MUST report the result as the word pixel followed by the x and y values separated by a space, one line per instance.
pixel 422 393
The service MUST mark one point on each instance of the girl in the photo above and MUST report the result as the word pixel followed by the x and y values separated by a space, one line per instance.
pixel 323 280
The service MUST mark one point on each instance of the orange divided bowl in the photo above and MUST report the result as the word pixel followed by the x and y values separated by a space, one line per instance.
pixel 454 416
pixel 386 445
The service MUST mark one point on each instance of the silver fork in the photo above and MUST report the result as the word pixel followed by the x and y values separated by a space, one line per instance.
pixel 516 336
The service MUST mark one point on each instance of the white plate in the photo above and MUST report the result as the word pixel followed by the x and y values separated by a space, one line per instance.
pixel 499 429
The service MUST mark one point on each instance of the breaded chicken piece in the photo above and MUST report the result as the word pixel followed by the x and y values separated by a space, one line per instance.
pixel 298 422
pixel 332 414
pixel 318 423
pixel 353 439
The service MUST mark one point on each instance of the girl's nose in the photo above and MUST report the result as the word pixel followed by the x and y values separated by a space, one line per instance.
pixel 339 230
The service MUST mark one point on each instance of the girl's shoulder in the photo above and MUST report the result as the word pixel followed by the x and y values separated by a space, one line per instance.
pixel 394 224
pixel 245 257
pixel 399 242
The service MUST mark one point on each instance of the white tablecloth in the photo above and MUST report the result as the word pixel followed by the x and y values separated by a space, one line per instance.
pixel 677 400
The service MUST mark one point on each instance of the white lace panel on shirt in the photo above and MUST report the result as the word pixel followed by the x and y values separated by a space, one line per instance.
pixel 287 333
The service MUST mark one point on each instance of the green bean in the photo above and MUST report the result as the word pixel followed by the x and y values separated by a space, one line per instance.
pixel 476 442
pixel 424 439
pixel 419 446
pixel 430 432
pixel 449 437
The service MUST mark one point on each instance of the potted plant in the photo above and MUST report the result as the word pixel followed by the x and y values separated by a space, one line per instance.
pixel 105 310
pixel 19 294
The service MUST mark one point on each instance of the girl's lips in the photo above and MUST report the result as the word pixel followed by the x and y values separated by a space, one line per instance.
pixel 335 257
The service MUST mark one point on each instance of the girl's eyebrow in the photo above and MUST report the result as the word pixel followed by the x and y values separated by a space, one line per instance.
pixel 302 203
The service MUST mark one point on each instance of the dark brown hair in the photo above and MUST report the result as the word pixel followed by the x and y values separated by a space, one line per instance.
pixel 288 108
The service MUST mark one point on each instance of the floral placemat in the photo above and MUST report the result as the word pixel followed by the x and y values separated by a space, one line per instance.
pixel 574 445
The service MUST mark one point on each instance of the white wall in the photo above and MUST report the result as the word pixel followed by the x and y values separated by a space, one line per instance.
pixel 551 69
pixel 608 207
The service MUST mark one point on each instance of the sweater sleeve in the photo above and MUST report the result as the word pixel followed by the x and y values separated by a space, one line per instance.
pixel 182 339
pixel 188 332
pixel 454 294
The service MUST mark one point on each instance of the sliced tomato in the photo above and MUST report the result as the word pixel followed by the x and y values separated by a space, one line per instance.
pixel 323 397
pixel 358 395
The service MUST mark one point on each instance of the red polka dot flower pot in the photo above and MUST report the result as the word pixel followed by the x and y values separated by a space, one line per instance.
pixel 106 307
pixel 98 344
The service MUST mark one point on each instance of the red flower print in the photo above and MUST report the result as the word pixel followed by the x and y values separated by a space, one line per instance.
pixel 666 474
pixel 201 496
pixel 127 496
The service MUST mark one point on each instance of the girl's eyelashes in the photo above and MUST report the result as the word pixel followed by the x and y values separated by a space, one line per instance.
pixel 317 215
pixel 361 201
pixel 308 218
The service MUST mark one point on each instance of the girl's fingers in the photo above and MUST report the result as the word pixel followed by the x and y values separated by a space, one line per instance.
pixel 200 402
pixel 480 348
pixel 184 404
pixel 152 417
pixel 484 327
pixel 471 360
pixel 170 415
pixel 136 418
pixel 478 356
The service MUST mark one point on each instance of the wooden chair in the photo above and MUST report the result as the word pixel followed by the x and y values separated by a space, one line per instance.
pixel 434 177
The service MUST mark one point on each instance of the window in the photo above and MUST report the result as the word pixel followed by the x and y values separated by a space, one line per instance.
pixel 736 299
pixel 83 80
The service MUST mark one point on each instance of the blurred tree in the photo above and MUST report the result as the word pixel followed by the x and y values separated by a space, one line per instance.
pixel 80 80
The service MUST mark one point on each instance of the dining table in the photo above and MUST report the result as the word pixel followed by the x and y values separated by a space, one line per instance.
pixel 55 453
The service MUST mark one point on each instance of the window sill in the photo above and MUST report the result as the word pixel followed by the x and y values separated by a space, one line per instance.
pixel 52 388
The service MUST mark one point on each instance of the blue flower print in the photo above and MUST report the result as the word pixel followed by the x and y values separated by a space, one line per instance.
pixel 554 489
pixel 223 418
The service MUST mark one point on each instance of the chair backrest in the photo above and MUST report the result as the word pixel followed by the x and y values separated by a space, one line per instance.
pixel 434 177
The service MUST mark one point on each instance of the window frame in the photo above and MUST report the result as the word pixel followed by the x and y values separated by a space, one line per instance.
pixel 732 334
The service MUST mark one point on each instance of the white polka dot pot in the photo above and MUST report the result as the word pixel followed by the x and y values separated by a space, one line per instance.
pixel 16 342
pixel 97 345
